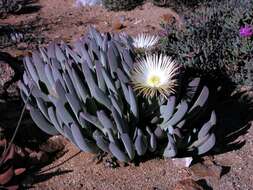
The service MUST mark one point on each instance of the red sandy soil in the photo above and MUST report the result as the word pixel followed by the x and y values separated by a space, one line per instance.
pixel 59 19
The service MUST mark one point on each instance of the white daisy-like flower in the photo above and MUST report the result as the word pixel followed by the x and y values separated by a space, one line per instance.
pixel 145 41
pixel 155 74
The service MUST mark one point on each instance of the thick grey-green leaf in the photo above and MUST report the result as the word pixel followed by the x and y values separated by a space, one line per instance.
pixel 101 141
pixel 83 143
pixel 141 143
pixel 201 100
pixel 171 149
pixel 133 103
pixel 207 145
pixel 118 153
pixel 104 120
pixel 54 120
pixel 128 144
pixel 42 122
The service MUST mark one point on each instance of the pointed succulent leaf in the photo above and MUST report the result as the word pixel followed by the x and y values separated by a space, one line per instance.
pixel 213 118
pixel 69 135
pixel 116 105
pixel 64 113
pixel 207 145
pixel 100 78
pixel 178 116
pixel 127 69
pixel 32 70
pixel 105 42
pixel 42 122
pixel 43 53
pixel 74 104
pixel 56 64
pixel 101 141
pixel 60 90
pixel 141 143
pixel 118 153
pixel 98 94
pixel 112 59
pixel 121 75
pixel 39 65
pixel 201 100
pixel 125 92
pixel 192 88
pixel 83 143
pixel 152 140
pixel 121 126
pixel 92 119
pixel 204 130
pixel 71 54
pixel 54 120
pixel 51 50
pixel 60 56
pixel 42 107
pixel 127 58
pixel 128 144
pixel 170 150
pixel 104 120
pixel 168 109
pixel 49 73
pixel 133 103
pixel 82 91
pixel 84 53
pixel 108 81
pixel 36 92
pixel 23 88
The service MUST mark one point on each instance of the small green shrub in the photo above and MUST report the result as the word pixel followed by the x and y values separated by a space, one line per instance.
pixel 117 5
pixel 211 40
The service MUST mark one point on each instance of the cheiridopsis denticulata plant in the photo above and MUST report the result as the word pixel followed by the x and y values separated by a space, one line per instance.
pixel 87 93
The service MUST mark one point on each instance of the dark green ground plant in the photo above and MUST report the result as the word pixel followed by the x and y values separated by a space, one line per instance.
pixel 16 6
pixel 211 40
pixel 117 5
pixel 85 93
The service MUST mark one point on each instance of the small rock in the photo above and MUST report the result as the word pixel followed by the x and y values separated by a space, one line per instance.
pixel 117 25
pixel 168 19
pixel 188 184
pixel 53 144
pixel 206 169
pixel 182 162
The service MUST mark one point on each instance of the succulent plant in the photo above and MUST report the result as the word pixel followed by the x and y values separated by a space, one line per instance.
pixel 85 93
pixel 116 5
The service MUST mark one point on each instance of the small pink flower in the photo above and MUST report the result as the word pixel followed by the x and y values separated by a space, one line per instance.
pixel 246 31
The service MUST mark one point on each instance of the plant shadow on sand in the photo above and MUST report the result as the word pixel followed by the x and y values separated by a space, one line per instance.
pixel 234 116
pixel 233 106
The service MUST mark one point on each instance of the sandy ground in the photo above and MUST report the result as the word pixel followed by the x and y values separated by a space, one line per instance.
pixel 60 19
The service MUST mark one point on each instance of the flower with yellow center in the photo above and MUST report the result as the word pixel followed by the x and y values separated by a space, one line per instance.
pixel 155 74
